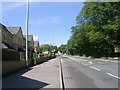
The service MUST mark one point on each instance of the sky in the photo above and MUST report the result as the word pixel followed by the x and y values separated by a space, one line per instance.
pixel 49 22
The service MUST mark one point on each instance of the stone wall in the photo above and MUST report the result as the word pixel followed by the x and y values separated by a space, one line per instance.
pixel 12 66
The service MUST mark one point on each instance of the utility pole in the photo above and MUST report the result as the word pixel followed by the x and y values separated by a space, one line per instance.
pixel 27 20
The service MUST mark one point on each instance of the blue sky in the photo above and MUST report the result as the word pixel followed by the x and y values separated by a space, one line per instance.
pixel 45 18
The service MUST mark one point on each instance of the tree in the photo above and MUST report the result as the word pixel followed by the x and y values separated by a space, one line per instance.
pixel 62 48
pixel 45 47
pixel 97 30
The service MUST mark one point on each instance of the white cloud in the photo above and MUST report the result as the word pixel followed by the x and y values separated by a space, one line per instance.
pixel 36 38
pixel 45 20
pixel 11 6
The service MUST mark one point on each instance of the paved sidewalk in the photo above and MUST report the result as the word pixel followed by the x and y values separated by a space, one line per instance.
pixel 46 75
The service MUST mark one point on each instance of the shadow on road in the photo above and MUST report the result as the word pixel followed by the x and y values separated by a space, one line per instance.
pixel 16 81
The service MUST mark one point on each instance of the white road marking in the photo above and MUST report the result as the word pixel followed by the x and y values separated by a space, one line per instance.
pixel 90 62
pixel 82 60
pixel 106 60
pixel 113 75
pixel 61 85
pixel 77 59
pixel 84 64
pixel 95 68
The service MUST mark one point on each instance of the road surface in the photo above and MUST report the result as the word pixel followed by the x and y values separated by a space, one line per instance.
pixel 89 73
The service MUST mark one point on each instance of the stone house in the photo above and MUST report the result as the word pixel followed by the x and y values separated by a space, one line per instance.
pixel 8 50
pixel 7 37
pixel 30 46
pixel 17 40
pixel 36 48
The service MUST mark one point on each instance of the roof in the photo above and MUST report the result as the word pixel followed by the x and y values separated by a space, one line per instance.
pixel 3 27
pixel 36 44
pixel 13 30
pixel 30 37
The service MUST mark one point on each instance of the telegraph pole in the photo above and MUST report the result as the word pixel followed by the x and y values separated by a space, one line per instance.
pixel 27 20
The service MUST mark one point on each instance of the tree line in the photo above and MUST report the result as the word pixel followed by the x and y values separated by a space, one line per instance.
pixel 97 30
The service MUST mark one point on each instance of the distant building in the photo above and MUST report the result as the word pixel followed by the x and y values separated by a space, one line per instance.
pixel 30 46
pixel 36 49
pixel 24 47
pixel 36 46
pixel 117 50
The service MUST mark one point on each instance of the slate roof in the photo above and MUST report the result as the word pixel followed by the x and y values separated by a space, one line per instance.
pixel 3 27
pixel 30 37
pixel 13 30
pixel 36 44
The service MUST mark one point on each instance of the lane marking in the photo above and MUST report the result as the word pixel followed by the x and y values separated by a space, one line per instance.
pixel 90 62
pixel 113 75
pixel 106 60
pixel 60 80
pixel 94 59
pixel 95 68
pixel 61 75
pixel 76 59
pixel 84 64
pixel 82 60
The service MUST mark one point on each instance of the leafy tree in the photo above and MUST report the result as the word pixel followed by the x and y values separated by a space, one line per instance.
pixel 62 48
pixel 45 47
pixel 97 30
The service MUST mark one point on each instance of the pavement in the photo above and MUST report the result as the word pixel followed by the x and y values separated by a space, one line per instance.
pixel 89 73
pixel 45 75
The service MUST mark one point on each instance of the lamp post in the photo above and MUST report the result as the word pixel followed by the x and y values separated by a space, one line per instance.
pixel 27 20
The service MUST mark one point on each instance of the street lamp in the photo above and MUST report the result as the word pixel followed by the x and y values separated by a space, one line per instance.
pixel 27 20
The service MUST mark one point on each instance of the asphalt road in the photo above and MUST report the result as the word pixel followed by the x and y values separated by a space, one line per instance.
pixel 89 73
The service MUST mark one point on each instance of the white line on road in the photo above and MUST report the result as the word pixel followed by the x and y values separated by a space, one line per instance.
pixel 90 62
pixel 77 59
pixel 113 75
pixel 95 68
pixel 60 80
pixel 107 60
pixel 82 60
pixel 84 64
